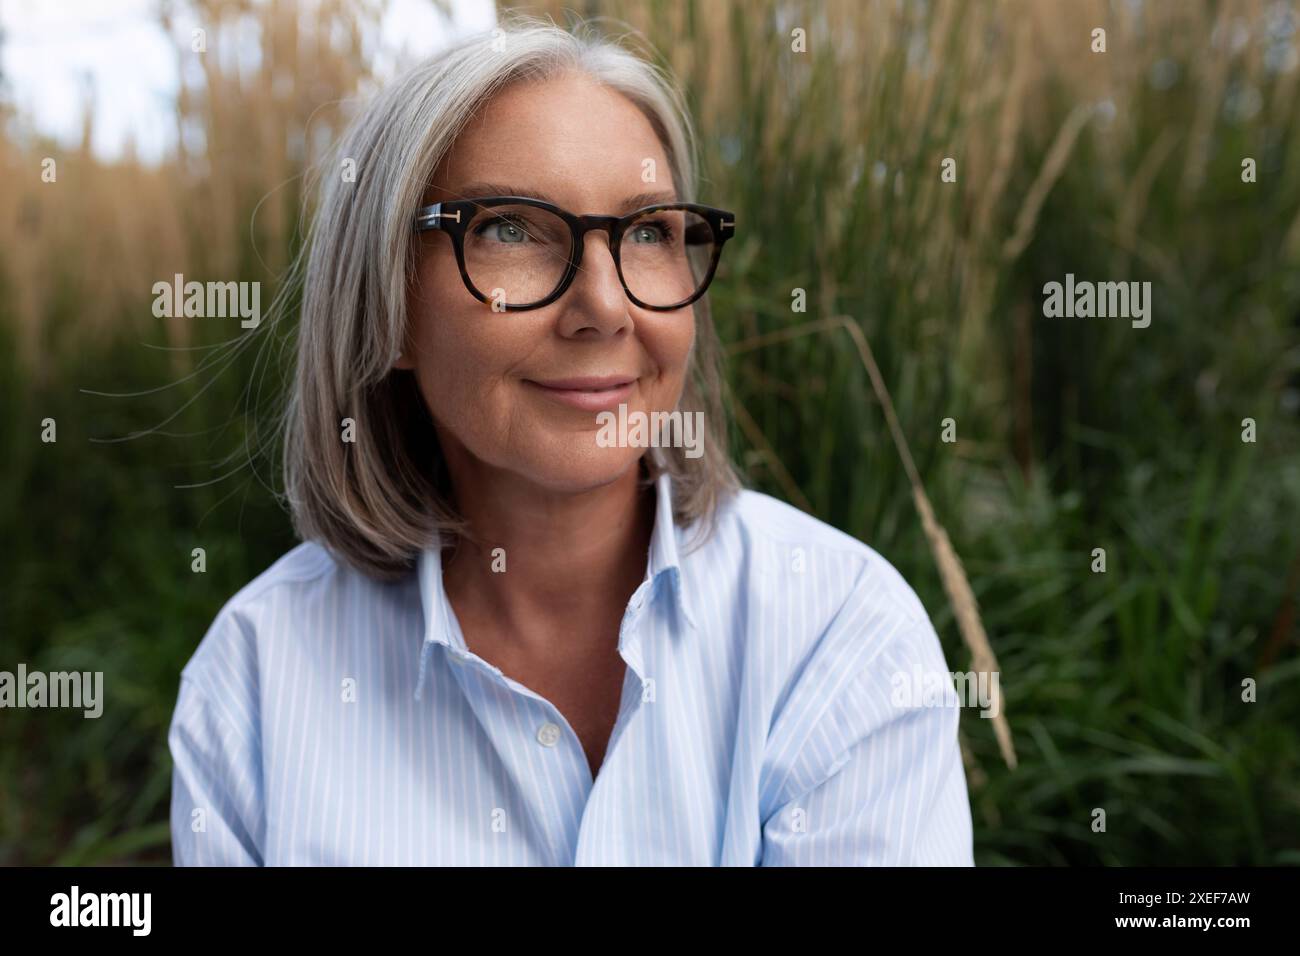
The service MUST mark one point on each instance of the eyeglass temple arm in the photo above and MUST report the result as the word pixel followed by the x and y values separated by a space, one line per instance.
pixel 430 217
pixel 701 232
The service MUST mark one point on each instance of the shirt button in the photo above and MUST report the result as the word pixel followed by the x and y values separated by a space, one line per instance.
pixel 548 735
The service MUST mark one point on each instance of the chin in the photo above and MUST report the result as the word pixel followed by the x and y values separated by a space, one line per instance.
pixel 574 467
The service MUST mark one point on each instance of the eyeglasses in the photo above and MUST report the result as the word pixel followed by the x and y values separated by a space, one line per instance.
pixel 519 253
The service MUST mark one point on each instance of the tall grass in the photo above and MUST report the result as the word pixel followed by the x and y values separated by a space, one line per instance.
pixel 1123 689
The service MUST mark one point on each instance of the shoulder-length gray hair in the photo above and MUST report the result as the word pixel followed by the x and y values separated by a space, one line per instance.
pixel 381 497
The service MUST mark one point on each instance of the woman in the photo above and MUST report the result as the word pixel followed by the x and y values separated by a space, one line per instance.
pixel 517 633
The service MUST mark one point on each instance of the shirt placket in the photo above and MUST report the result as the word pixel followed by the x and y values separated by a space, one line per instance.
pixel 540 753
pixel 597 810
pixel 535 742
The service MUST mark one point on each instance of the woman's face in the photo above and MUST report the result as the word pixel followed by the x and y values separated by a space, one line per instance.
pixel 520 391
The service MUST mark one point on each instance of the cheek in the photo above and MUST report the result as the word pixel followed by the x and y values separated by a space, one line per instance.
pixel 669 341
pixel 462 350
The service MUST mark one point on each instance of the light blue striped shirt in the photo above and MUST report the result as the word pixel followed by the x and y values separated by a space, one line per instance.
pixel 328 719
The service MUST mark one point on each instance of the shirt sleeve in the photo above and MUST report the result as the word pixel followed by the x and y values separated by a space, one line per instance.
pixel 875 777
pixel 216 817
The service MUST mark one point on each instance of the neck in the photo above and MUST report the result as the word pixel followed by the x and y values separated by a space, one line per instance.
pixel 567 557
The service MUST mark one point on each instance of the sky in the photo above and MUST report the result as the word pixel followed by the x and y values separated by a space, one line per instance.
pixel 56 53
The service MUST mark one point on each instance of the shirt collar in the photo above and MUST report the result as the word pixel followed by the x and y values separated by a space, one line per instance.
pixel 663 561
pixel 664 557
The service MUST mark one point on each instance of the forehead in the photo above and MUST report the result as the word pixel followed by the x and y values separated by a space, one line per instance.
pixel 568 137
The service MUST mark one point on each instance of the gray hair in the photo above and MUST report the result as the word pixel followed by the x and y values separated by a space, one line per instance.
pixel 377 501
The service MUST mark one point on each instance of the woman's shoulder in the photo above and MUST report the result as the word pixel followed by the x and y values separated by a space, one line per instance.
pixel 305 563
pixel 829 626
pixel 299 583
pixel 785 543
pixel 779 521
pixel 297 576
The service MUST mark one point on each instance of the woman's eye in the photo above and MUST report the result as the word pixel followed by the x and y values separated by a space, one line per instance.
pixel 650 232
pixel 503 230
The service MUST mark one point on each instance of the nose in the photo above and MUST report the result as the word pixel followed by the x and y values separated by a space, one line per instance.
pixel 596 304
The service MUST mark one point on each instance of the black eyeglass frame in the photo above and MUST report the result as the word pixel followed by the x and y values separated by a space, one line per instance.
pixel 454 218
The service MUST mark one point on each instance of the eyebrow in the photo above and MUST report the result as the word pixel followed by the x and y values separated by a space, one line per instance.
pixel 478 190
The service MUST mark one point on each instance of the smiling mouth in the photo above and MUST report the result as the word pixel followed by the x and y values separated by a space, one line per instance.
pixel 592 394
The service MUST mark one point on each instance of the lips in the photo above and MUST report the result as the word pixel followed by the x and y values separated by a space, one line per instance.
pixel 588 393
